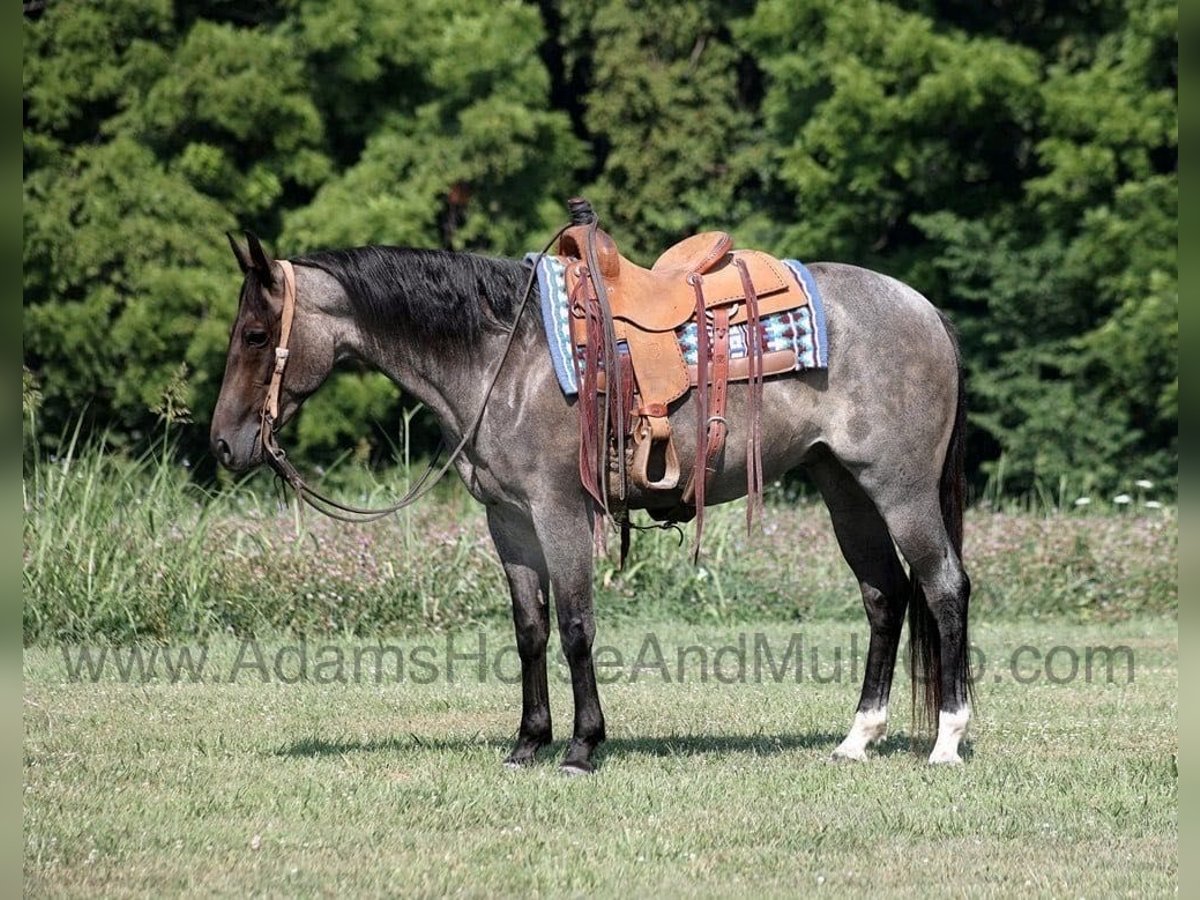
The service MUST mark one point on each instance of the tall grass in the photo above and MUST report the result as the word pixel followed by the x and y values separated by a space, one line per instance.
pixel 131 549
pixel 117 547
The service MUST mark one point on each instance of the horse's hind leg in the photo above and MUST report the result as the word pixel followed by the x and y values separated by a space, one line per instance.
pixel 938 606
pixel 867 546
pixel 529 581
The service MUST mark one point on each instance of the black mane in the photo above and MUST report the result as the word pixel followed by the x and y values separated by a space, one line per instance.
pixel 437 296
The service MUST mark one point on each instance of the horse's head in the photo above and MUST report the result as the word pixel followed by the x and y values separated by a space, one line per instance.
pixel 267 300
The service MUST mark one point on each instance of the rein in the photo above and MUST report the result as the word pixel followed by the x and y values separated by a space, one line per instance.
pixel 277 458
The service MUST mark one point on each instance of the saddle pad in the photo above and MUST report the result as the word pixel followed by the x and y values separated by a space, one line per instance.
pixel 801 330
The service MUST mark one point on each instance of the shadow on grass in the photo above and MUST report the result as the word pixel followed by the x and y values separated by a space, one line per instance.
pixel 663 746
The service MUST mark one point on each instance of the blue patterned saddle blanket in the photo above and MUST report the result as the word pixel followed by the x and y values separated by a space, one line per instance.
pixel 801 330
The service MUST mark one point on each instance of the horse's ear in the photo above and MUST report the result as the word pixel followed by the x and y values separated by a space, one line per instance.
pixel 240 253
pixel 262 263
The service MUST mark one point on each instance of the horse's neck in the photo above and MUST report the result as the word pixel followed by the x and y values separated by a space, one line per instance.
pixel 451 384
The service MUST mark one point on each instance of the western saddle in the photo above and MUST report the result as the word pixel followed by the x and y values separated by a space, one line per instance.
pixel 625 321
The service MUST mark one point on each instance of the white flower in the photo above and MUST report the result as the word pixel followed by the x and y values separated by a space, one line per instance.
pixel 1122 499
pixel 1152 504
pixel 1144 484
pixel 1083 501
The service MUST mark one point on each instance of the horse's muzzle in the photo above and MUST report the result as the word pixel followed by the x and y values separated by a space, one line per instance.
pixel 237 452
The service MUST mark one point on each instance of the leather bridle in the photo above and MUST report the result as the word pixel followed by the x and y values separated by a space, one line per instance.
pixel 269 417
pixel 277 459
pixel 270 409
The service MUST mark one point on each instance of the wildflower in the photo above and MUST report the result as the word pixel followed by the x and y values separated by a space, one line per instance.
pixel 1144 484
pixel 1083 501
pixel 1122 499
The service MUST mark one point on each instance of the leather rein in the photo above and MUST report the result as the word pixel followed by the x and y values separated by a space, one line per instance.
pixel 276 457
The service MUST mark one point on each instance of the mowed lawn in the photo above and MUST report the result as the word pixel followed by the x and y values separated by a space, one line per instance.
pixel 1069 789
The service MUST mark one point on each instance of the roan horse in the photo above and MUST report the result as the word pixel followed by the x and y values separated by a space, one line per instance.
pixel 880 432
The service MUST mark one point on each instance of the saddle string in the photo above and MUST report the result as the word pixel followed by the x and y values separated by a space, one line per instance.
pixel 754 352
pixel 604 415
pixel 277 458
pixel 699 477
pixel 590 471
pixel 613 393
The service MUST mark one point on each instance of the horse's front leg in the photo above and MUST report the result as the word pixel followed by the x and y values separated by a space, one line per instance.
pixel 528 580
pixel 566 539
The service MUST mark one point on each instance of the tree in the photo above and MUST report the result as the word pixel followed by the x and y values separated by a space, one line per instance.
pixel 1016 162
pixel 1026 184
pixel 667 114
pixel 153 127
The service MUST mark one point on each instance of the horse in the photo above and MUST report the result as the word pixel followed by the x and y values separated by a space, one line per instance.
pixel 880 432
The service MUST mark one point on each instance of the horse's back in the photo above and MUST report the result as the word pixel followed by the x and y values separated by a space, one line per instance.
pixel 863 306
pixel 887 397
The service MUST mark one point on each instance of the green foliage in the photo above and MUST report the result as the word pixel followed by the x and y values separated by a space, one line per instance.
pixel 118 293
pixel 341 414
pixel 1031 193
pixel 101 559
pixel 665 114
pixel 1016 163
pixel 466 155
pixel 876 115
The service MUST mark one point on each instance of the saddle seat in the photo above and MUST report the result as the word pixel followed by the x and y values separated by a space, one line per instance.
pixel 662 298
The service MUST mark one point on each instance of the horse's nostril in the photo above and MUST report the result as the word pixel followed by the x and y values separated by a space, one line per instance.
pixel 224 454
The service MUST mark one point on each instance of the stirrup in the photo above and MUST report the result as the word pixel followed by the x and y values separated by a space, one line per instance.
pixel 651 432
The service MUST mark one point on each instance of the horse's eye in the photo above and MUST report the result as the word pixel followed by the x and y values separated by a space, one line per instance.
pixel 255 337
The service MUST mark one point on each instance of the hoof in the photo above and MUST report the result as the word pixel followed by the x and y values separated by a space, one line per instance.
pixel 952 728
pixel 944 758
pixel 848 754
pixel 525 752
pixel 572 769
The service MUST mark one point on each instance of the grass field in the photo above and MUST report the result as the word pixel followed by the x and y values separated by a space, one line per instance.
pixel 169 779
pixel 248 787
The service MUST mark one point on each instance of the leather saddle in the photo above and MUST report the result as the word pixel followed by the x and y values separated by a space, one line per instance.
pixel 640 313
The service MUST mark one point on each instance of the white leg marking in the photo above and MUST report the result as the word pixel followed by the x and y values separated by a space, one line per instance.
pixel 952 726
pixel 869 726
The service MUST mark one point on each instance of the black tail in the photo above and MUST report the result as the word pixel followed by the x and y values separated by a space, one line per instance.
pixel 924 642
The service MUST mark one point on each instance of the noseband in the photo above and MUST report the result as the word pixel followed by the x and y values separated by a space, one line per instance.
pixel 277 459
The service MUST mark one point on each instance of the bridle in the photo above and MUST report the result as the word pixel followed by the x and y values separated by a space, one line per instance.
pixel 277 459
pixel 269 416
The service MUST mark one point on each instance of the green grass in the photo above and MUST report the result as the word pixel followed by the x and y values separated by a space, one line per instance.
pixel 161 786
pixel 120 550
pixel 302 789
